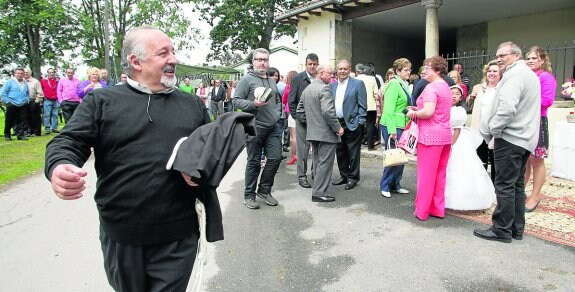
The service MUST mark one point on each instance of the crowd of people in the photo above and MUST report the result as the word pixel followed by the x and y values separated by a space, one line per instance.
pixel 32 103
pixel 506 134
pixel 328 111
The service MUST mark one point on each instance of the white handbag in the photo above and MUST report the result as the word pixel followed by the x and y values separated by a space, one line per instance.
pixel 395 156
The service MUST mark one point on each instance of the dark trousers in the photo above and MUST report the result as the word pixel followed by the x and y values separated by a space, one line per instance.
pixel 486 156
pixel 509 215
pixel 268 139
pixel 286 134
pixel 17 118
pixel 371 129
pixel 348 153
pixel 68 109
pixel 157 267
pixel 302 150
pixel 34 118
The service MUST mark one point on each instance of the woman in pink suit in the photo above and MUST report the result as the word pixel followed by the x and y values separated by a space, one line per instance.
pixel 538 60
pixel 432 115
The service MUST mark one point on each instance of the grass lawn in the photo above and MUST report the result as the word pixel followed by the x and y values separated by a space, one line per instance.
pixel 21 158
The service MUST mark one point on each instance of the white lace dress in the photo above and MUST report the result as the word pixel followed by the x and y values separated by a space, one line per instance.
pixel 468 186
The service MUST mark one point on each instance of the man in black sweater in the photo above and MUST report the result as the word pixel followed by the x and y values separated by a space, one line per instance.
pixel 148 224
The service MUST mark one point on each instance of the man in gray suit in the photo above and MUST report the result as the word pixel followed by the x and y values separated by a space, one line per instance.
pixel 316 106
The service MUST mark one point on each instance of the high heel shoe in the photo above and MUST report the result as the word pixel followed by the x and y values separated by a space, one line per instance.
pixel 293 160
pixel 529 210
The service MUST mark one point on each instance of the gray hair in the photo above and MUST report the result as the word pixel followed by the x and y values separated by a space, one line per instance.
pixel 360 68
pixel 260 51
pixel 133 45
pixel 27 69
pixel 515 49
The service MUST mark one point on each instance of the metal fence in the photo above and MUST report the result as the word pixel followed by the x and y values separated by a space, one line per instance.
pixel 562 57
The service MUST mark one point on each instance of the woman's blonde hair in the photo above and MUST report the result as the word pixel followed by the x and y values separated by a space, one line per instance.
pixel 486 68
pixel 93 70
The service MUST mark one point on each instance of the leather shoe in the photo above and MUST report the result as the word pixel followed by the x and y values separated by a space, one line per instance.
pixel 517 236
pixel 350 185
pixel 304 184
pixel 529 210
pixel 339 181
pixel 322 199
pixel 488 234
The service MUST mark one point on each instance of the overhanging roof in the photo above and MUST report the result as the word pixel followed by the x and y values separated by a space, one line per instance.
pixel 407 17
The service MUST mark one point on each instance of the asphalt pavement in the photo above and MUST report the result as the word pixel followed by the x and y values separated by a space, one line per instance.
pixel 360 242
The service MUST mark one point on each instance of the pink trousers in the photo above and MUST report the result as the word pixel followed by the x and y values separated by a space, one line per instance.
pixel 431 173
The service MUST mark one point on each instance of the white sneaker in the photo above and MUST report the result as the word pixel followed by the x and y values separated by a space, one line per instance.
pixel 386 194
pixel 401 191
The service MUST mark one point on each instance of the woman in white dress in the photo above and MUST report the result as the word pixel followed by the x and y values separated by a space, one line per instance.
pixel 468 186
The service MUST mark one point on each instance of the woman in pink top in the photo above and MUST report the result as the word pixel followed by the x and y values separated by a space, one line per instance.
pixel 538 60
pixel 291 121
pixel 432 115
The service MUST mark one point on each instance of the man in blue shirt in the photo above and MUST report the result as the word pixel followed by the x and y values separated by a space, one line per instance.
pixel 15 95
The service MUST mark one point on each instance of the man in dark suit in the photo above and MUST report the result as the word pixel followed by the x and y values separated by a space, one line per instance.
pixel 298 84
pixel 324 130
pixel 351 108
pixel 218 97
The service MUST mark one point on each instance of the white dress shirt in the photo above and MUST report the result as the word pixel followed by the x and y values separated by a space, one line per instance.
pixel 339 97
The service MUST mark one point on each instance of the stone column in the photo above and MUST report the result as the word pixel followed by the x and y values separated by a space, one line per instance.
pixel 431 27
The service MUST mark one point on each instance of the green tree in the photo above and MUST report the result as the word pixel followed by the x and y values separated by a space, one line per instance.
pixel 244 25
pixel 167 15
pixel 35 32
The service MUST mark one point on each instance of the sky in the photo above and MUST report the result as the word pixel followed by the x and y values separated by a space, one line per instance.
pixel 201 50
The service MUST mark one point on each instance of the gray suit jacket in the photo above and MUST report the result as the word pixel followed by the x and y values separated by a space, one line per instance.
pixel 317 103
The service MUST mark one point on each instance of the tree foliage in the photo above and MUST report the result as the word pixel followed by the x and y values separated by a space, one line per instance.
pixel 244 25
pixel 167 15
pixel 35 32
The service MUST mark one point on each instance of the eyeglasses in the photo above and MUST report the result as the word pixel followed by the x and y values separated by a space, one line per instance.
pixel 500 56
pixel 261 59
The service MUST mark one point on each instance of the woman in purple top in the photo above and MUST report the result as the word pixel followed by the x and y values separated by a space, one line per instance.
pixel 92 83
pixel 538 60
pixel 432 115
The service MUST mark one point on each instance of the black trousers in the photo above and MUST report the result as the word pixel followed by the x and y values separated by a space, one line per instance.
pixel 371 130
pixel 348 153
pixel 486 156
pixel 268 139
pixel 68 109
pixel 34 118
pixel 158 267
pixel 17 118
pixel 509 215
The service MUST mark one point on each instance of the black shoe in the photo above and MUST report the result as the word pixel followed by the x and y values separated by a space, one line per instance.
pixel 285 149
pixel 8 138
pixel 47 133
pixel 304 184
pixel 23 138
pixel 322 199
pixel 339 181
pixel 350 185
pixel 488 234
pixel 55 131
pixel 517 236
pixel 284 157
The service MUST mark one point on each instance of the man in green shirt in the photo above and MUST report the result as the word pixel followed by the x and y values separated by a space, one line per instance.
pixel 187 87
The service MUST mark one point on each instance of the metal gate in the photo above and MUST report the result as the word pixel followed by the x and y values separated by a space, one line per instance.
pixel 562 57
